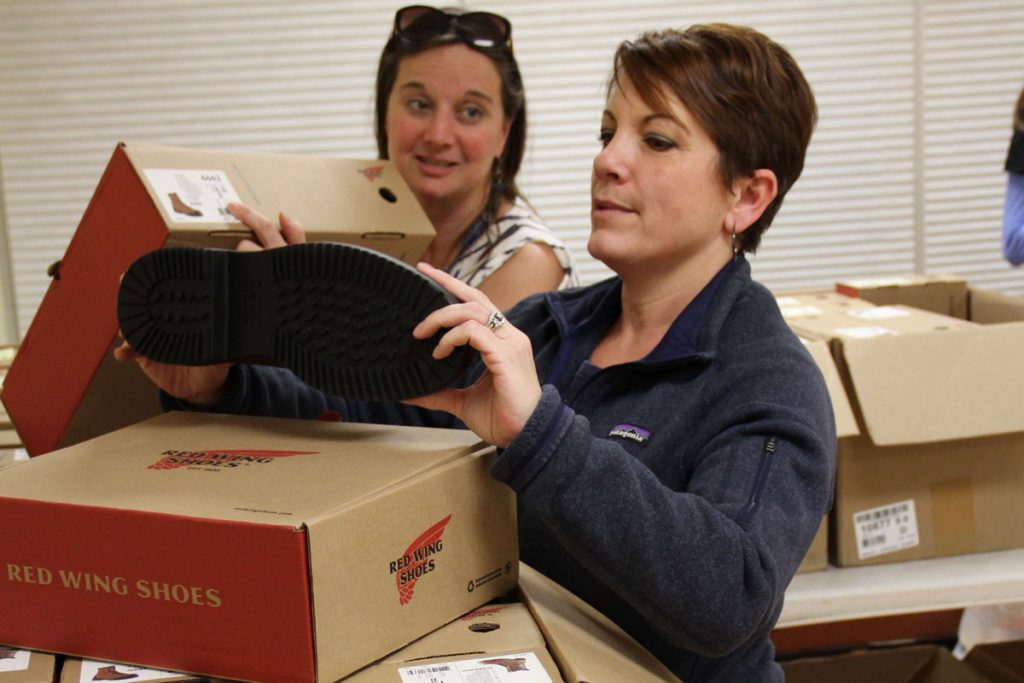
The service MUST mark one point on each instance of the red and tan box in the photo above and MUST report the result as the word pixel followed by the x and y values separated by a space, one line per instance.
pixel 63 386
pixel 25 666
pixel 257 549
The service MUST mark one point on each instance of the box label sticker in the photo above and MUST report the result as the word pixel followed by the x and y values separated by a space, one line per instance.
pixel 886 529
pixel 13 660
pixel 193 196
pixel 103 671
pixel 523 668
pixel 880 313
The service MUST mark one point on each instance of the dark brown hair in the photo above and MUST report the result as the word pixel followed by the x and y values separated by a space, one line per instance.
pixel 744 89
pixel 513 98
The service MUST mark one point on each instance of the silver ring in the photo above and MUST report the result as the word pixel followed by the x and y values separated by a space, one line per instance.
pixel 495 320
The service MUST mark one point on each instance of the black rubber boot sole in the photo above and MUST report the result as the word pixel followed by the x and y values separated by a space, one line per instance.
pixel 339 316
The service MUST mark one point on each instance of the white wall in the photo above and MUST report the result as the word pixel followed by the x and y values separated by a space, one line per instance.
pixel 904 173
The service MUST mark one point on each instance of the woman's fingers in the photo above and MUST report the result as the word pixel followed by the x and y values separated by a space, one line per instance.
pixel 268 234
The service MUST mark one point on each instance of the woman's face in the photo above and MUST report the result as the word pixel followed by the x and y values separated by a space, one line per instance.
pixel 445 125
pixel 658 201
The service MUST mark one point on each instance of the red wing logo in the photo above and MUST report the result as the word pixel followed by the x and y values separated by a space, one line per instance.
pixel 227 458
pixel 372 173
pixel 417 560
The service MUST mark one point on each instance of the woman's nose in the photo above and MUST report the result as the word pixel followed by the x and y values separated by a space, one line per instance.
pixel 610 162
pixel 439 129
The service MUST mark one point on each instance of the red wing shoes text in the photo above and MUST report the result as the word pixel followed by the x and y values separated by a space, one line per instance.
pixel 339 316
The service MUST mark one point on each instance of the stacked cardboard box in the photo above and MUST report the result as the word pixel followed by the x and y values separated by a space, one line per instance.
pixel 64 386
pixel 251 548
pixel 912 664
pixel 939 293
pixel 938 464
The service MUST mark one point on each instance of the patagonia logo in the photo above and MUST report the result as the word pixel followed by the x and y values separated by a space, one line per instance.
pixel 631 432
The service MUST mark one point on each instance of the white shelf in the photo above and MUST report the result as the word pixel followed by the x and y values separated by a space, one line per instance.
pixel 838 594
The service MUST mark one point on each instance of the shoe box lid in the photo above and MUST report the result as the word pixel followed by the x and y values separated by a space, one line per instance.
pixel 63 385
pixel 251 548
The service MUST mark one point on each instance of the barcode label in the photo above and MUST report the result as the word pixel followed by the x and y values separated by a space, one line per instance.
pixel 504 668
pixel 886 529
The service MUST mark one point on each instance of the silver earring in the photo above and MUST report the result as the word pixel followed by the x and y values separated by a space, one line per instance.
pixel 735 249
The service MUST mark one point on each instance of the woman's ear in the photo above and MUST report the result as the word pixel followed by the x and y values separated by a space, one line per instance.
pixel 753 195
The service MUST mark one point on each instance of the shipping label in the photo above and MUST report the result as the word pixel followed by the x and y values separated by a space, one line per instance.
pixel 521 668
pixel 886 529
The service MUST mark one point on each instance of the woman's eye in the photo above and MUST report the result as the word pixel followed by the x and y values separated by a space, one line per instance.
pixel 605 136
pixel 417 104
pixel 472 113
pixel 659 143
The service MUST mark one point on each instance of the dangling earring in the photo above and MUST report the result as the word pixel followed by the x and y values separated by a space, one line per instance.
pixel 498 178
pixel 735 248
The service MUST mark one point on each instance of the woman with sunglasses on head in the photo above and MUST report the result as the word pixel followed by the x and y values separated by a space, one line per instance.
pixel 451 116
pixel 670 440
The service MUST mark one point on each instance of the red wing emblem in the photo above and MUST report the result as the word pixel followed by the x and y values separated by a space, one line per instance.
pixel 416 558
pixel 176 459
pixel 372 173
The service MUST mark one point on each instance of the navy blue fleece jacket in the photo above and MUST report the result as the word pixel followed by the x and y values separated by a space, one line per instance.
pixel 677 494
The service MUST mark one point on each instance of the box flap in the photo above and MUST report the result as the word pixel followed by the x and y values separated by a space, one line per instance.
pixel 229 467
pixel 936 386
pixel 846 423
pixel 588 647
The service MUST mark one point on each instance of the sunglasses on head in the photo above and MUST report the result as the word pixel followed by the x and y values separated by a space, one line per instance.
pixel 419 24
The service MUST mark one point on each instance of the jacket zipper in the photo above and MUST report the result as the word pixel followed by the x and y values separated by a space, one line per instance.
pixel 759 480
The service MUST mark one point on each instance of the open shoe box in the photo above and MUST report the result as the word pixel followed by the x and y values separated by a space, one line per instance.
pixel 64 386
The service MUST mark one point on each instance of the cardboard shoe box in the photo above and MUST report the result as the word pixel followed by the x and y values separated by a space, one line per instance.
pixel 938 466
pixel 586 644
pixel 25 666
pixel 256 549
pixel 92 671
pixel 64 387
pixel 495 643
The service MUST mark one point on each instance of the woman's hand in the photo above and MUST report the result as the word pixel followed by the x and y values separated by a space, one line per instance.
pixel 267 234
pixel 201 386
pixel 498 405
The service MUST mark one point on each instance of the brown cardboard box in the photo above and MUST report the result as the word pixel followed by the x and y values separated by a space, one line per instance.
pixel 64 387
pixel 988 307
pixel 91 671
pixel 939 463
pixel 816 558
pixel 247 548
pixel 940 293
pixel 588 647
pixel 497 643
pixel 1002 662
pixel 912 664
pixel 24 666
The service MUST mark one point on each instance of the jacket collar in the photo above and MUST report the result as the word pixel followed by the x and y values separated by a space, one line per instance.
pixel 585 314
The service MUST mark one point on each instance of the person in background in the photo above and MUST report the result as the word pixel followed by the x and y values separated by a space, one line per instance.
pixel 1013 202
pixel 450 114
pixel 670 440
